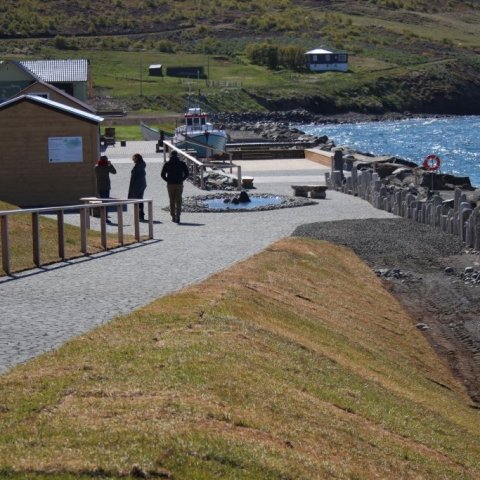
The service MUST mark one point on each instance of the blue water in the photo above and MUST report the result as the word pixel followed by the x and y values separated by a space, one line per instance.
pixel 456 140
pixel 219 204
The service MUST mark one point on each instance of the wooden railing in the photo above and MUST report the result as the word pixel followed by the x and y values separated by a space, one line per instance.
pixel 84 211
pixel 197 167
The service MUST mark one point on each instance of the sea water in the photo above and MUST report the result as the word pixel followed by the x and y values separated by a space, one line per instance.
pixel 455 140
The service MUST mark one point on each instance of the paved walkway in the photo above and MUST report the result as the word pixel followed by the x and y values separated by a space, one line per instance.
pixel 42 308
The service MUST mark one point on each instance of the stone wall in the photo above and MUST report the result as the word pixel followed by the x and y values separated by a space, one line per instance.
pixel 456 216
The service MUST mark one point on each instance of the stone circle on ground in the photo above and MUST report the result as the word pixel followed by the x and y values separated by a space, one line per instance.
pixel 197 203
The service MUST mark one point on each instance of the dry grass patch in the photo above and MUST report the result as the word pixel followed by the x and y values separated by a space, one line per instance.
pixel 294 364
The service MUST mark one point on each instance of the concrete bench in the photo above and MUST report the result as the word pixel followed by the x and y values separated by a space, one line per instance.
pixel 314 191
pixel 247 182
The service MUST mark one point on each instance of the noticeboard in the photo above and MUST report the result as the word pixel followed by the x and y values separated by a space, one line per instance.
pixel 65 150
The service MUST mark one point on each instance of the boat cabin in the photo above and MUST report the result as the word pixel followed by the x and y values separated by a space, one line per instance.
pixel 320 60
pixel 195 119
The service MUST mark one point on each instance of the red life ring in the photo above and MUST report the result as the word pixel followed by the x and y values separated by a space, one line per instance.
pixel 431 163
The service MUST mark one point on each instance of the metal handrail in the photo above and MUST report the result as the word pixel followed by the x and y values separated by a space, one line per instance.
pixel 197 167
pixel 84 212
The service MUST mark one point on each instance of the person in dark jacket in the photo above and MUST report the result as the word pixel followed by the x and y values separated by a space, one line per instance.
pixel 175 172
pixel 103 169
pixel 138 182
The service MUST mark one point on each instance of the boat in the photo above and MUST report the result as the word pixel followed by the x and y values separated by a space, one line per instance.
pixel 150 133
pixel 198 134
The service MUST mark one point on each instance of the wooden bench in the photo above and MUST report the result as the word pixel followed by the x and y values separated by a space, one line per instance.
pixel 314 191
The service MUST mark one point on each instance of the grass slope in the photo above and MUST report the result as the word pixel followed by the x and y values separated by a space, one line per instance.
pixel 295 364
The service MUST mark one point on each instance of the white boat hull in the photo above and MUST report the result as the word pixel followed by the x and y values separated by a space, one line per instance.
pixel 205 145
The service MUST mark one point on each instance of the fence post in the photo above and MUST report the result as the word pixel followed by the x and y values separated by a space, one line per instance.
pixel 36 238
pixel 83 230
pixel 5 247
pixel 150 219
pixel 120 223
pixel 103 225
pixel 136 220
pixel 61 234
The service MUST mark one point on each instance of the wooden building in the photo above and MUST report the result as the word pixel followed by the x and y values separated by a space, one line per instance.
pixel 320 60
pixel 50 92
pixel 49 151
pixel 72 76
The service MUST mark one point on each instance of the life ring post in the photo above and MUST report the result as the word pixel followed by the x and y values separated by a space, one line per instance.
pixel 431 163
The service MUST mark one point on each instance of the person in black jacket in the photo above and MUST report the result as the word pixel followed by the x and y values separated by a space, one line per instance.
pixel 138 182
pixel 103 169
pixel 175 172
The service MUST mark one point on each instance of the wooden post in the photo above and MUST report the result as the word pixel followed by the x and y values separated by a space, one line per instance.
pixel 36 238
pixel 83 230
pixel 5 249
pixel 61 234
pixel 120 223
pixel 136 220
pixel 239 180
pixel 103 226
pixel 150 219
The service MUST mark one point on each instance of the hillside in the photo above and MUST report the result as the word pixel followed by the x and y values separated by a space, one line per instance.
pixel 414 55
pixel 267 370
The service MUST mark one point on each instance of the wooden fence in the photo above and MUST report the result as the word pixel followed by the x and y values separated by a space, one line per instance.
pixel 84 211
pixel 197 168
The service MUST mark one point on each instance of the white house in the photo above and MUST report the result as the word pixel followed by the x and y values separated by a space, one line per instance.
pixel 320 60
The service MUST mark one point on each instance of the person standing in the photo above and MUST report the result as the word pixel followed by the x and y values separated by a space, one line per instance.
pixel 103 169
pixel 138 181
pixel 175 172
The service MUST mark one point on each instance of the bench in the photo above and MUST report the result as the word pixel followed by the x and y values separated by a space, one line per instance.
pixel 314 191
pixel 247 182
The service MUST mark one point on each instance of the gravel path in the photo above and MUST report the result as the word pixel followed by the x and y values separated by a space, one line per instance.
pixel 42 308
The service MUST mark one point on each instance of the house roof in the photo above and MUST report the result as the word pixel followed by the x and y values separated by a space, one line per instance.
pixel 53 105
pixel 20 67
pixel 49 86
pixel 58 70
pixel 318 51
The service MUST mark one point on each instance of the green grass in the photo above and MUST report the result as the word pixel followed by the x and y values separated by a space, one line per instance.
pixel 382 38
pixel 263 371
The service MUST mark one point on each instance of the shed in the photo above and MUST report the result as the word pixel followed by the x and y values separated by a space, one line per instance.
pixel 320 60
pixel 49 151
pixel 187 72
pixel 155 70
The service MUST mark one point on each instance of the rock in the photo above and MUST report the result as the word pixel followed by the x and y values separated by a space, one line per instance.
pixel 422 326
pixel 243 197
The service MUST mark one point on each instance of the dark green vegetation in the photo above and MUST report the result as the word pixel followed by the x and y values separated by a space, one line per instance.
pixel 415 55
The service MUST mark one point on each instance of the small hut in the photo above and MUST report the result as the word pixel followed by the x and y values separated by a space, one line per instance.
pixel 49 151
pixel 155 70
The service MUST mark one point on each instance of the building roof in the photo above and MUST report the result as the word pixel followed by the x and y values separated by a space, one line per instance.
pixel 58 70
pixel 318 51
pixel 49 86
pixel 53 105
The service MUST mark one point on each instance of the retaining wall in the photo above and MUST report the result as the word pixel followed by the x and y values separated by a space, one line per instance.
pixel 455 216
